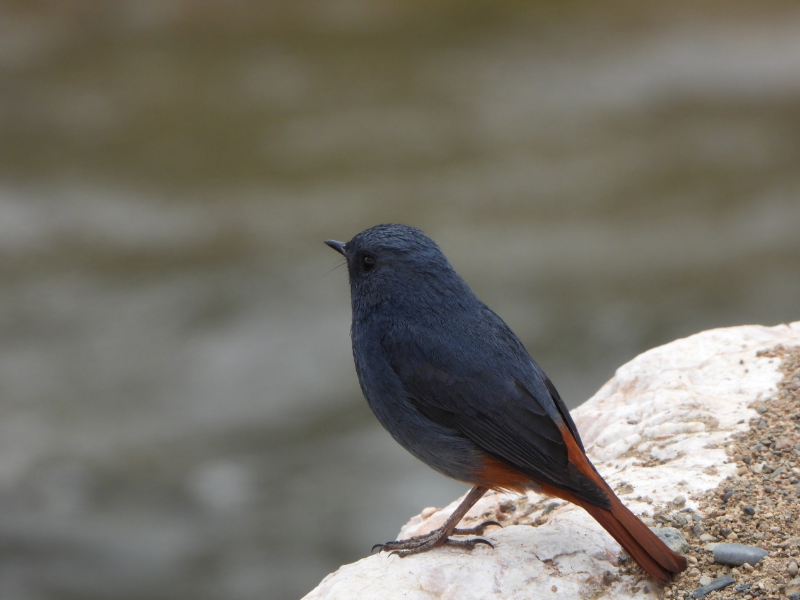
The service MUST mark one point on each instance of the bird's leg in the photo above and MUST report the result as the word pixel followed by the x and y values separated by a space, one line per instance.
pixel 441 536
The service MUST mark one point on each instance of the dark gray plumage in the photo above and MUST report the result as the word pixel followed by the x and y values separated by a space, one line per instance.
pixel 455 387
pixel 444 374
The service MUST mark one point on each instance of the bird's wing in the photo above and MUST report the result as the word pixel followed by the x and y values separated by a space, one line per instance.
pixel 492 392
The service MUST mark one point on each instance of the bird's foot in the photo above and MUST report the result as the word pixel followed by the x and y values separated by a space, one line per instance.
pixel 437 537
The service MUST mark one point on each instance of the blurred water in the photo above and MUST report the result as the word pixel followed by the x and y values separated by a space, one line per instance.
pixel 179 413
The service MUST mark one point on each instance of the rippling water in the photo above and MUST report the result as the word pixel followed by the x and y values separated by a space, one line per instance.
pixel 179 416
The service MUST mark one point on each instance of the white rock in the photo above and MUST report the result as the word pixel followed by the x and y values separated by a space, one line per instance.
pixel 678 403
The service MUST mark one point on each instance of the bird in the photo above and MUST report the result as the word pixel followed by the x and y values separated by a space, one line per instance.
pixel 455 387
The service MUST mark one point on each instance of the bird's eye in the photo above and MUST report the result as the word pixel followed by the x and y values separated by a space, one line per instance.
pixel 367 262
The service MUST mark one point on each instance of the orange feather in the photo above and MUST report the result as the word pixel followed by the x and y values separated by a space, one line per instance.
pixel 631 533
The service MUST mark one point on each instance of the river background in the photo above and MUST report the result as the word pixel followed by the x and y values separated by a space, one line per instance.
pixel 179 415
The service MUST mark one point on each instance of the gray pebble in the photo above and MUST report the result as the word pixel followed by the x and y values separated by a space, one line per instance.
pixel 707 537
pixel 735 555
pixel 673 538
pixel 777 472
pixel 717 584
pixel 793 589
pixel 679 500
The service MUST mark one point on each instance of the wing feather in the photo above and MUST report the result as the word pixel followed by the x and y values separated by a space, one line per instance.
pixel 512 411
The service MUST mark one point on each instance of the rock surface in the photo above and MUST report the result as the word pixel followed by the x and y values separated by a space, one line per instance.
pixel 656 431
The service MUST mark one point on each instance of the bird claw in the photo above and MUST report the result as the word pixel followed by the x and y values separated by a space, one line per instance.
pixel 477 530
pixel 424 547
pixel 469 544
pixel 437 537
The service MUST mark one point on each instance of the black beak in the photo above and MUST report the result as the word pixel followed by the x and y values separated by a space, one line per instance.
pixel 338 246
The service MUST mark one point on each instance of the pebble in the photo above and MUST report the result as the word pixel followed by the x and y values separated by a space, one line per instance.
pixel 792 569
pixel 707 537
pixel 717 584
pixel 735 555
pixel 727 496
pixel 748 510
pixel 777 472
pixel 673 538
pixel 508 505
pixel 793 589
pixel 679 500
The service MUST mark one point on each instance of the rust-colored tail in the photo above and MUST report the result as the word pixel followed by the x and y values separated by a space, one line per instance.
pixel 637 539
